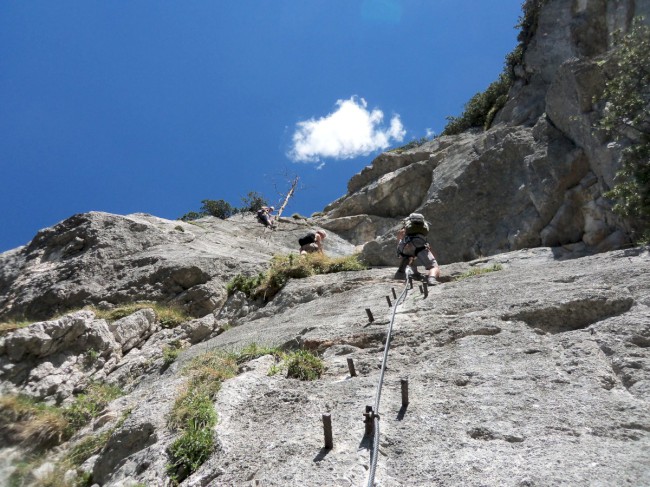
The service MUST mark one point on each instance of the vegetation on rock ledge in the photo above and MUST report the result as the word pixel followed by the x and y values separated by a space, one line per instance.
pixel 40 427
pixel 283 267
pixel 253 201
pixel 480 110
pixel 193 413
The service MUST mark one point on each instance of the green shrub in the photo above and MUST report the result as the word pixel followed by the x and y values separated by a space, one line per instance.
pixel 188 452
pixel 90 404
pixel 253 201
pixel 171 352
pixel 482 107
pixel 245 284
pixel 191 215
pixel 480 110
pixel 219 208
pixel 626 118
pixel 298 364
pixel 194 415
pixel 410 145
pixel 169 316
pixel 284 267
pixel 304 365
pixel 179 228
pixel 206 373
pixel 528 20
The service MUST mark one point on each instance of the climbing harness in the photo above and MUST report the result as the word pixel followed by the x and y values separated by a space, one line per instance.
pixel 372 414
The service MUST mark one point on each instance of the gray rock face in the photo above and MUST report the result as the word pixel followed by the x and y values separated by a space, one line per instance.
pixel 544 362
pixel 98 257
pixel 132 330
pixel 536 178
pixel 51 360
pixel 47 360
pixel 76 333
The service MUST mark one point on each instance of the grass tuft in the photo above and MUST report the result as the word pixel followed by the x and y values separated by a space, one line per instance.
pixel 194 415
pixel 169 316
pixel 89 405
pixel 285 267
pixel 12 325
pixel 477 271
pixel 40 427
pixel 171 352
pixel 253 351
pixel 304 365
pixel 193 412
pixel 31 423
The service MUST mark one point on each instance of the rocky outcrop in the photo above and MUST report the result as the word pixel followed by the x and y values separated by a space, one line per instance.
pixel 536 178
pixel 95 258
pixel 52 360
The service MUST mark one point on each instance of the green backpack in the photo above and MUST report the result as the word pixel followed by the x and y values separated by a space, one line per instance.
pixel 416 224
pixel 415 238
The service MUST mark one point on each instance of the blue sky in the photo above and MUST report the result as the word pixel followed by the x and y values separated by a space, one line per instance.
pixel 152 106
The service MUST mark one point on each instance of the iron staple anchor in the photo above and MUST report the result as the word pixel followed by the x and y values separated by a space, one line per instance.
pixel 369 420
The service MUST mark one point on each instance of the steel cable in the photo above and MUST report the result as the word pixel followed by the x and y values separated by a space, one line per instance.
pixel 375 445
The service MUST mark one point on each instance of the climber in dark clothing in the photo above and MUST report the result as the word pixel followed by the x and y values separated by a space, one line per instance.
pixel 413 247
pixel 265 217
pixel 312 242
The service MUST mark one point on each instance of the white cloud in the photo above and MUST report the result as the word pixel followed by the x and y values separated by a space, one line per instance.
pixel 350 131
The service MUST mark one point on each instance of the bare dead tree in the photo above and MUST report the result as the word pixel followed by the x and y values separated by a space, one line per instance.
pixel 289 194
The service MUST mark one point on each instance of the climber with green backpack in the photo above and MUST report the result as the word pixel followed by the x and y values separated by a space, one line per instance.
pixel 413 247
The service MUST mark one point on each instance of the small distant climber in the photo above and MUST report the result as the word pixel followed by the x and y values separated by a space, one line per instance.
pixel 312 242
pixel 413 247
pixel 265 217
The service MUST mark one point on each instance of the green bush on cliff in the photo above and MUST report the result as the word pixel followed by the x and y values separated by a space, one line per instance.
pixel 480 110
pixel 304 365
pixel 283 267
pixel 253 201
pixel 410 145
pixel 193 413
pixel 627 97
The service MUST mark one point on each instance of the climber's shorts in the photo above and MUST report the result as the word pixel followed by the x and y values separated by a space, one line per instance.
pixel 310 248
pixel 426 258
